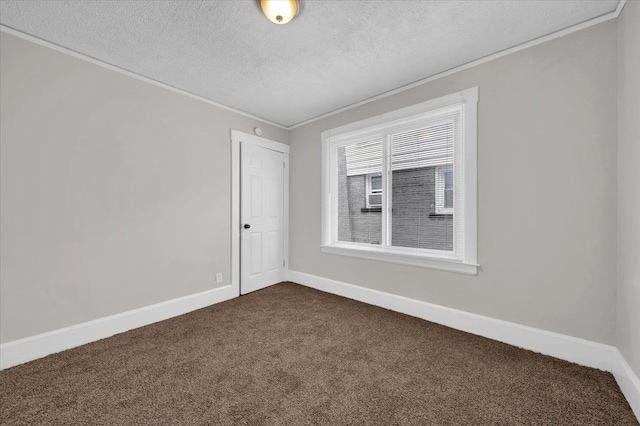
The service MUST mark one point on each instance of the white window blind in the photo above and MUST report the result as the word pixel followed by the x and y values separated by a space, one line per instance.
pixel 428 146
pixel 364 157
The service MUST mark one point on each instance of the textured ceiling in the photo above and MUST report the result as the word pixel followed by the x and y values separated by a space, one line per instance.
pixel 335 53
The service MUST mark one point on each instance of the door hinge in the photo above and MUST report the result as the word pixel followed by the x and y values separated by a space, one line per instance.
pixel 283 164
pixel 284 263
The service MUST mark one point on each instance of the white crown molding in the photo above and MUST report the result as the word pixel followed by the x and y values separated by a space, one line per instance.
pixel 38 346
pixel 568 348
pixel 128 73
pixel 514 49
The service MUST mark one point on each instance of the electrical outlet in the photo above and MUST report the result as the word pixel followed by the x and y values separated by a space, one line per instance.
pixel 218 277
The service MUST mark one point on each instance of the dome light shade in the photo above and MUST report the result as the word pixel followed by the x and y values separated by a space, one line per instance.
pixel 279 11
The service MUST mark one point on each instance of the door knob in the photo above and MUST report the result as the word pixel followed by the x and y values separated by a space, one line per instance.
pixel 247 226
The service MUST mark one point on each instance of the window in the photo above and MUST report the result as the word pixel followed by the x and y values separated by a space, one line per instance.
pixel 401 187
pixel 374 190
pixel 444 190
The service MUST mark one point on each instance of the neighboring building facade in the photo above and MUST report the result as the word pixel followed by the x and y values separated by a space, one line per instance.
pixel 421 215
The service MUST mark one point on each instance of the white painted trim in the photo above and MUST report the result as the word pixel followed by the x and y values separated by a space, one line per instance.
pixel 573 349
pixel 41 345
pixel 259 141
pixel 237 138
pixel 286 213
pixel 382 121
pixel 235 214
pixel 628 381
pixel 128 73
pixel 395 256
pixel 326 186
pixel 470 173
pixel 621 6
pixel 480 61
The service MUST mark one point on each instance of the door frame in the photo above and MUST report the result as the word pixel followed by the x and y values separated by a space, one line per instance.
pixel 237 138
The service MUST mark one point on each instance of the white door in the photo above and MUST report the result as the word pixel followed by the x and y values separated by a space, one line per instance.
pixel 261 218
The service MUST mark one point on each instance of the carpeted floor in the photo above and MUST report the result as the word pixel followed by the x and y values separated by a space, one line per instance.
pixel 290 355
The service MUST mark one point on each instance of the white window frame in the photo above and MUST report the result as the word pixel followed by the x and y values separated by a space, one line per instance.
pixel 440 188
pixel 465 180
pixel 370 191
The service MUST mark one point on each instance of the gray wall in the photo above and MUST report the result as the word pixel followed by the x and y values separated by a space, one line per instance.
pixel 546 191
pixel 115 192
pixel 628 181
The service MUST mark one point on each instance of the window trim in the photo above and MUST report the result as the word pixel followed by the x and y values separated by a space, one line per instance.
pixel 467 261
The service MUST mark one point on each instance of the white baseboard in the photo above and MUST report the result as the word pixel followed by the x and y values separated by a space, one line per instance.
pixel 38 346
pixel 573 349
pixel 628 382
pixel 580 351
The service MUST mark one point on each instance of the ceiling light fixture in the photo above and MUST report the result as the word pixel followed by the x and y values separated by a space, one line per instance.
pixel 279 11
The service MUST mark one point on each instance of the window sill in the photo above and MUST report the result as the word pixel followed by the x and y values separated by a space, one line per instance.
pixel 379 209
pixel 403 259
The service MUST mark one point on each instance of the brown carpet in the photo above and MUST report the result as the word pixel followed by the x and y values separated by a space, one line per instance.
pixel 290 355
